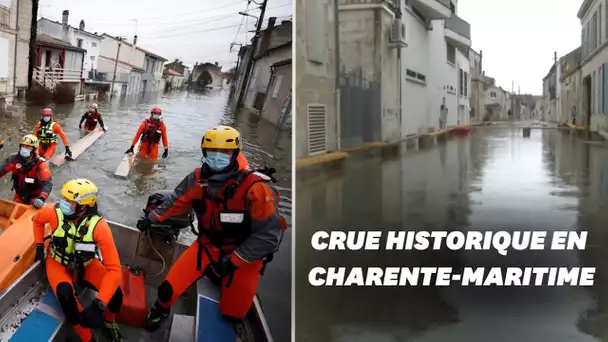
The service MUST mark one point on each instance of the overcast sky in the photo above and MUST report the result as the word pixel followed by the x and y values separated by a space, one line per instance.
pixel 519 37
pixel 191 30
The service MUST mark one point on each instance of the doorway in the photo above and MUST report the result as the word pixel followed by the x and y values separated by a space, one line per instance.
pixel 586 110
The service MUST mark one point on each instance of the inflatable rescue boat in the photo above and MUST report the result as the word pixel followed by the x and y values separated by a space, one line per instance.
pixel 29 310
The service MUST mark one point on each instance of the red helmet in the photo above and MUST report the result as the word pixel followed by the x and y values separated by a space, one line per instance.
pixel 156 110
pixel 47 112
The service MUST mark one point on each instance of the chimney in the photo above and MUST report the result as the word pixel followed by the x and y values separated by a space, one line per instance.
pixel 267 34
pixel 216 64
pixel 81 26
pixel 64 19
pixel 555 57
pixel 135 40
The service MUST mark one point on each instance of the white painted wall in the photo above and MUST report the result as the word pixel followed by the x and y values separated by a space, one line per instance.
pixel 426 54
pixel 464 100
pixel 92 45
pixel 261 73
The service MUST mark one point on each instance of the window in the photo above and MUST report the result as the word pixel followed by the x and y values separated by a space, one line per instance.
pixel 316 28
pixel 599 25
pixel 79 43
pixel 493 95
pixel 277 86
pixel 604 88
pixel 461 82
pixel 3 57
pixel 415 75
pixel 466 84
pixel 452 7
pixel 584 43
pixel 93 44
pixel 451 53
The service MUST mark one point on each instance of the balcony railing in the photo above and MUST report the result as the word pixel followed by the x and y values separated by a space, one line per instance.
pixel 49 77
pixel 5 16
pixel 457 25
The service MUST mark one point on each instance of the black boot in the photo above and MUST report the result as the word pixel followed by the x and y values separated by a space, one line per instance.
pixel 156 316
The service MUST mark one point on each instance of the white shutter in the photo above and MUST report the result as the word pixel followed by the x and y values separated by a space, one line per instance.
pixel 4 57
pixel 317 126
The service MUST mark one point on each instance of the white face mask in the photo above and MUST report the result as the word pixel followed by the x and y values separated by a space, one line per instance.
pixel 25 152
pixel 217 161
pixel 46 118
pixel 155 116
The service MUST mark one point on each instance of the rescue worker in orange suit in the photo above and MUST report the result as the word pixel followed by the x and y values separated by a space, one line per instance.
pixel 78 233
pixel 239 228
pixel 90 119
pixel 32 179
pixel 47 130
pixel 151 131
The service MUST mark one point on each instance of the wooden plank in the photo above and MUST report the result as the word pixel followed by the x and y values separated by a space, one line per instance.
pixel 127 162
pixel 79 147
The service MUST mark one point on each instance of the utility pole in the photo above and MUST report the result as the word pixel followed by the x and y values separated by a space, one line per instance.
pixel 115 67
pixel 252 52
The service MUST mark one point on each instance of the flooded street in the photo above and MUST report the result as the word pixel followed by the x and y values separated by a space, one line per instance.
pixel 494 179
pixel 187 116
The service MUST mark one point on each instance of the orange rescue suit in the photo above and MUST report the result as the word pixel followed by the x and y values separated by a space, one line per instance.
pixel 47 150
pixel 104 277
pixel 30 181
pixel 151 132
pixel 259 205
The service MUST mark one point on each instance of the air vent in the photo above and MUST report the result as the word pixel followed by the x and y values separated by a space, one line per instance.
pixel 317 129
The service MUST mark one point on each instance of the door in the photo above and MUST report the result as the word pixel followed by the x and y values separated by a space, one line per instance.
pixel 144 83
pixel 123 90
pixel 587 104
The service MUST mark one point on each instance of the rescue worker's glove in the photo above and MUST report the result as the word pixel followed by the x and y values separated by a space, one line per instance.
pixel 218 271
pixel 38 203
pixel 92 316
pixel 144 224
pixel 80 126
pixel 130 150
pixel 104 129
pixel 68 153
pixel 166 153
pixel 1 144
pixel 39 253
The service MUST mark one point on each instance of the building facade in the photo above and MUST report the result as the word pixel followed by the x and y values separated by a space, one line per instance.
pixel 594 54
pixel 77 37
pixel 274 46
pixel 128 65
pixel 277 104
pixel 436 64
pixel 15 24
pixel 570 88
pixel 317 112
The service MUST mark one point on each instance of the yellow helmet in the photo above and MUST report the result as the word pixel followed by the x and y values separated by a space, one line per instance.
pixel 81 191
pixel 222 137
pixel 94 106
pixel 29 140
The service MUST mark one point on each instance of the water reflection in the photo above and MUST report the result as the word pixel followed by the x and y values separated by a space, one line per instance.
pixel 495 179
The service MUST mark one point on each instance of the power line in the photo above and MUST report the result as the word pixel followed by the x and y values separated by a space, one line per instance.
pixel 200 31
pixel 209 19
pixel 239 2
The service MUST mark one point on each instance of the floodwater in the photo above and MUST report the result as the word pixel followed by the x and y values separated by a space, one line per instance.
pixel 494 179
pixel 187 116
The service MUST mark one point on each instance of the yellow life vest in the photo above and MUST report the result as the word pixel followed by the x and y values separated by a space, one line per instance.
pixel 46 134
pixel 71 244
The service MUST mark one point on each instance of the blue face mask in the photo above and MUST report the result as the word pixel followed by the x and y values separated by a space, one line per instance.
pixel 217 161
pixel 46 118
pixel 25 152
pixel 65 207
pixel 155 117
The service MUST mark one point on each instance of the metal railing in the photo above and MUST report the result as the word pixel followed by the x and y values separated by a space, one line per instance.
pixel 458 25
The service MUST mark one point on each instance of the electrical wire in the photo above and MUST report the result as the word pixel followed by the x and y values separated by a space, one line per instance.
pixel 159 255
pixel 204 30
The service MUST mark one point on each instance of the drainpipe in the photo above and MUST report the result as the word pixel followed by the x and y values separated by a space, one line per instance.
pixel 398 15
pixel 16 45
pixel 337 81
